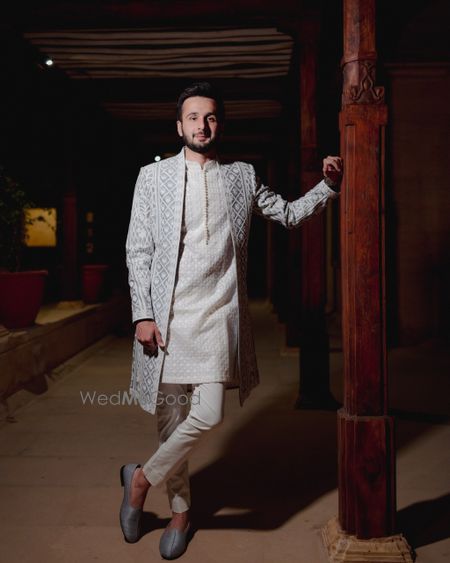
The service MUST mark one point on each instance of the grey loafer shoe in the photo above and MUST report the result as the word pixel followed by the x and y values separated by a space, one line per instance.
pixel 130 517
pixel 173 542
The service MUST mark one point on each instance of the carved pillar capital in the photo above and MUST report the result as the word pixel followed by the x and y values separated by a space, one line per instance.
pixel 359 83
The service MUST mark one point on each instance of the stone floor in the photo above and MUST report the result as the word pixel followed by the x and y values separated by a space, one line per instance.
pixel 263 482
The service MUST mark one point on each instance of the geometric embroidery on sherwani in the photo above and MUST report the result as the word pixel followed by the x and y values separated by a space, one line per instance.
pixel 140 247
pixel 241 201
pixel 168 194
pixel 140 252
pixel 155 227
pixel 168 186
pixel 238 178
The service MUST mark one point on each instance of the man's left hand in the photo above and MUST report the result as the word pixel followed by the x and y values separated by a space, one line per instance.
pixel 333 168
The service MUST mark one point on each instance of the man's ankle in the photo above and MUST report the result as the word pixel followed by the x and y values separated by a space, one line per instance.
pixel 179 520
pixel 141 480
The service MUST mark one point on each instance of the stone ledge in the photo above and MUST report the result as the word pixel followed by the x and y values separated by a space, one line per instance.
pixel 344 548
pixel 29 356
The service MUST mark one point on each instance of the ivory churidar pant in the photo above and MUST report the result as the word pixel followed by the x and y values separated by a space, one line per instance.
pixel 182 420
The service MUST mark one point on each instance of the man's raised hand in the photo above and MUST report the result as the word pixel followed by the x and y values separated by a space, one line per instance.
pixel 333 168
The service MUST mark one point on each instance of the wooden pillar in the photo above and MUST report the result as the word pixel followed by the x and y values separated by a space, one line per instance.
pixel 292 298
pixel 270 248
pixel 314 345
pixel 281 256
pixel 367 494
pixel 69 281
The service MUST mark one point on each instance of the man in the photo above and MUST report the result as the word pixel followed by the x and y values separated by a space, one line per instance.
pixel 186 255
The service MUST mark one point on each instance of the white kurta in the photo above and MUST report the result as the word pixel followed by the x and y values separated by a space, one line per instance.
pixel 201 344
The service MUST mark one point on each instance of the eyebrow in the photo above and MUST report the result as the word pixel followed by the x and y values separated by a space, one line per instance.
pixel 206 115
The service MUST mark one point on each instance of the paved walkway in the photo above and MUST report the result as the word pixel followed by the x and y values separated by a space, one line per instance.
pixel 263 482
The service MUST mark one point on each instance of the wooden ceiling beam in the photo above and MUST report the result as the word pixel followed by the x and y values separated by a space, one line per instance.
pixel 53 14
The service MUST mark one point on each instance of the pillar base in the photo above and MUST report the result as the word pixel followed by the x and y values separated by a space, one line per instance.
pixel 342 547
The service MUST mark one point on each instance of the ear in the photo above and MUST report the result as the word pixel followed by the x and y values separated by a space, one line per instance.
pixel 180 128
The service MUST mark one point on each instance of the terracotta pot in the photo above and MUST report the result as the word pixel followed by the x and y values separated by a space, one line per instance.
pixel 21 296
pixel 94 282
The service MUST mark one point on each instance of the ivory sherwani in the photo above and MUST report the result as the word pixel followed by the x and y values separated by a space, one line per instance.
pixel 153 254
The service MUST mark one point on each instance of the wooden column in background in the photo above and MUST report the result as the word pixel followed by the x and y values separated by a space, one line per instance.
pixel 367 494
pixel 270 247
pixel 69 281
pixel 314 345
pixel 292 297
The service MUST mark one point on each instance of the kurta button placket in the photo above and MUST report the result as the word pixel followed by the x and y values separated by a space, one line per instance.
pixel 206 207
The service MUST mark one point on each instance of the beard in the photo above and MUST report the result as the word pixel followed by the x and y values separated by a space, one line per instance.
pixel 202 147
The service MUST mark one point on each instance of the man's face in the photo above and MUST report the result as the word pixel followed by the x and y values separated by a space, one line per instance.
pixel 199 125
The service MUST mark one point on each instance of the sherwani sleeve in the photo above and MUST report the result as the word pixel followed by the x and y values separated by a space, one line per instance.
pixel 291 214
pixel 139 251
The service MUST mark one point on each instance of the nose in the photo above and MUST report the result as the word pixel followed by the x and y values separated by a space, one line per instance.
pixel 203 125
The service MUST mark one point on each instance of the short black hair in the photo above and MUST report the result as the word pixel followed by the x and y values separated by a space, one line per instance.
pixel 205 90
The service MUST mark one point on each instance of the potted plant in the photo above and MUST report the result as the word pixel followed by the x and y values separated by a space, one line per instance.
pixel 21 292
